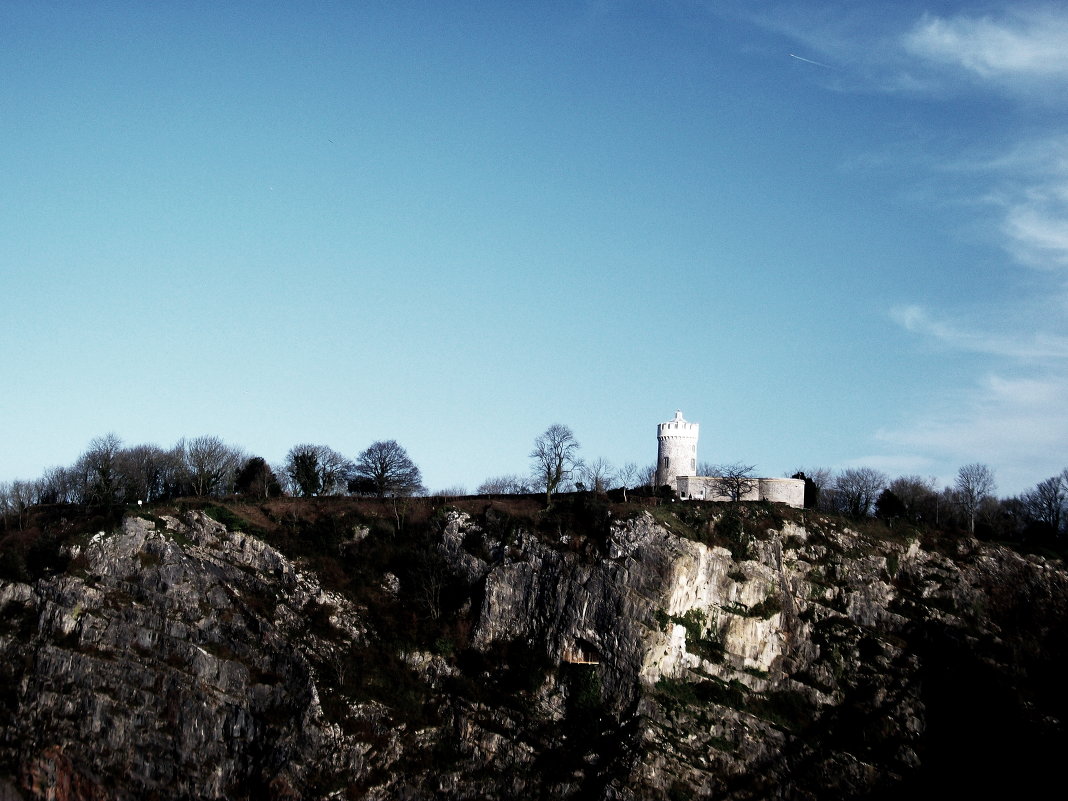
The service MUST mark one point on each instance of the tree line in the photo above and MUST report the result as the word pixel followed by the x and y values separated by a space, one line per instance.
pixel 111 474
pixel 1039 514
pixel 556 466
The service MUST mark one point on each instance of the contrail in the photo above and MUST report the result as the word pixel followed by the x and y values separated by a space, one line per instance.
pixel 810 61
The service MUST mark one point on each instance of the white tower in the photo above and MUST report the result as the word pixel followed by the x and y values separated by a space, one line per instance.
pixel 676 450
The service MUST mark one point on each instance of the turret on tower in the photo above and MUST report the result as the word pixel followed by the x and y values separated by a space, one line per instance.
pixel 676 451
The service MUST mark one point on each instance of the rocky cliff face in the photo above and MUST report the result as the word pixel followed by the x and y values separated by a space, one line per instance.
pixel 690 651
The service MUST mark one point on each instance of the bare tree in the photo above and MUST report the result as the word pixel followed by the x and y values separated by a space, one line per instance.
pixel 597 475
pixel 5 502
pixel 386 470
pixel 629 475
pixel 974 483
pixel 554 457
pixel 494 485
pixel 857 489
pixel 146 471
pixel 647 476
pixel 336 470
pixel 430 572
pixel 16 497
pixel 1046 503
pixel 284 479
pixel 175 479
pixel 58 485
pixel 520 485
pixel 98 471
pixel 511 484
pixel 734 480
pixel 455 491
pixel 915 493
pixel 210 465
pixel 943 504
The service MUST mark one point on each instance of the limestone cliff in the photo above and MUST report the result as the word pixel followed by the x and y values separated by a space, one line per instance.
pixel 685 651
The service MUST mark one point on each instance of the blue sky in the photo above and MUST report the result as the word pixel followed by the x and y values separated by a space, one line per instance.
pixel 835 234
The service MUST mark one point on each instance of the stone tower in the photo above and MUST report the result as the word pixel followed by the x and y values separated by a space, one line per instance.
pixel 676 450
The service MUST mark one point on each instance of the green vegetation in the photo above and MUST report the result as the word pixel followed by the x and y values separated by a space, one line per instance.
pixel 707 646
pixel 785 709
pixel 18 620
pixel 675 693
pixel 891 564
pixel 506 674
pixel 149 558
pixel 770 606
pixel 227 517
pixel 42 545
pixel 585 706
pixel 376 673
pixel 662 619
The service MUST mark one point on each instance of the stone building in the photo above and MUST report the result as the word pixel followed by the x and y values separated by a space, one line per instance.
pixel 676 450
pixel 676 466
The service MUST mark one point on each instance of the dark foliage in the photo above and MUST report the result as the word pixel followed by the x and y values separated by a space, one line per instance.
pixel 888 506
pixel 257 479
pixel 812 490
pixel 39 547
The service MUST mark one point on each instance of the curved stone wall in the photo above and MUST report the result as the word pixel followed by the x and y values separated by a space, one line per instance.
pixel 790 491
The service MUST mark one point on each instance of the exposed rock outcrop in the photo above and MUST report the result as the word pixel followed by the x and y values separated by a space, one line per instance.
pixel 695 653
pixel 174 657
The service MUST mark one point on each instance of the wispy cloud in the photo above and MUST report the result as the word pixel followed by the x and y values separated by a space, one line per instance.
pixel 1028 347
pixel 1025 187
pixel 1038 230
pixel 892 48
pixel 1032 190
pixel 1014 415
pixel 1010 179
pixel 1028 43
pixel 1018 423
